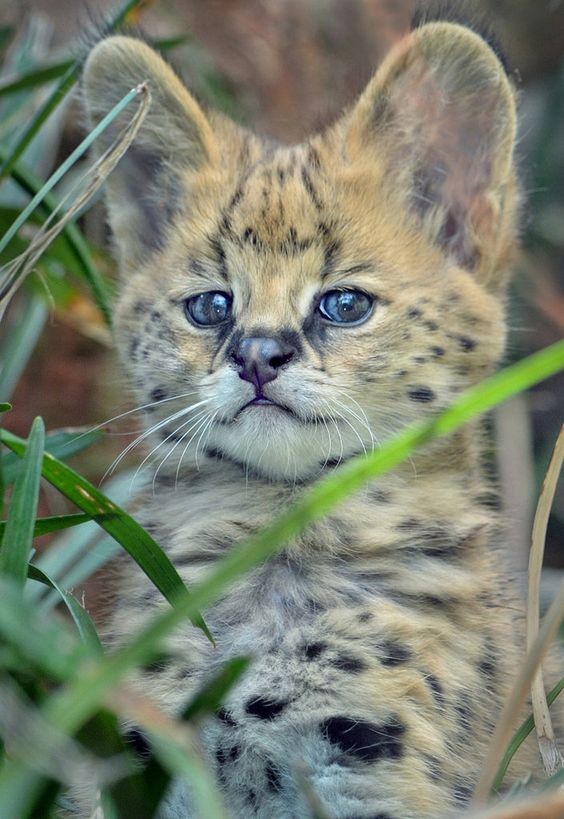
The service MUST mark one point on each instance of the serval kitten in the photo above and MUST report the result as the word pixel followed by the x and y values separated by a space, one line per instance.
pixel 283 309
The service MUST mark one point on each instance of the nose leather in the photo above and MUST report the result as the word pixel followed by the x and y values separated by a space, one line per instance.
pixel 259 359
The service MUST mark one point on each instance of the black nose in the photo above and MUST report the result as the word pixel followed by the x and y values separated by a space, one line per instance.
pixel 259 359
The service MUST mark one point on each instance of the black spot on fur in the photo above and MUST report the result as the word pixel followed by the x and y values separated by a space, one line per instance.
pixel 438 352
pixel 408 525
pixel 222 754
pixel 364 616
pixel 310 189
pixel 489 499
pixel 365 740
pixel 313 650
pixel 466 343
pixel 464 714
pixel 431 325
pixel 354 665
pixel 219 255
pixel 141 306
pixel 421 394
pixel 373 816
pixel 137 741
pixel 436 688
pixel 265 709
pixel 414 313
pixel 158 394
pixel 250 237
pixel 462 792
pixel 158 665
pixel 273 777
pixel 488 667
pixel 133 347
pixel 226 717
pixel 394 653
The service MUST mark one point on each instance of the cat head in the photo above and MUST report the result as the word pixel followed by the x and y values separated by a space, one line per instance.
pixel 286 307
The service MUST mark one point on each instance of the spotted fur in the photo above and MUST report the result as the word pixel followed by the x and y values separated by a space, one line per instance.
pixel 382 637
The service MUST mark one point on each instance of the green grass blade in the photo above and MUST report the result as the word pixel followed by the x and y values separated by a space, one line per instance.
pixel 19 344
pixel 56 523
pixel 116 522
pixel 81 619
pixel 54 100
pixel 519 737
pixel 66 166
pixel 31 79
pixel 46 644
pixel 61 444
pixel 76 243
pixel 18 534
pixel 5 407
pixel 48 73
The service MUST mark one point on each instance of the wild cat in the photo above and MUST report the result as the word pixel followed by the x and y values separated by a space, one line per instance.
pixel 282 309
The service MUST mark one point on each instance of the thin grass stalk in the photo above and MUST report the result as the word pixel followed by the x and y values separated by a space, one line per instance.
pixel 67 165
pixel 74 239
pixel 510 711
pixel 551 756
pixel 20 267
pixel 66 84
pixel 519 738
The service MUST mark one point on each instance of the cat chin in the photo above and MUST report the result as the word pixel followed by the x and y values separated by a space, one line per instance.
pixel 278 446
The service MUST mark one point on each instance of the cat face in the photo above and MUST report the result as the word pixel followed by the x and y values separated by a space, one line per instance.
pixel 285 308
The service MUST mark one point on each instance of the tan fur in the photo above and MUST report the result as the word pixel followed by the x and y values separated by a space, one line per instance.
pixel 395 611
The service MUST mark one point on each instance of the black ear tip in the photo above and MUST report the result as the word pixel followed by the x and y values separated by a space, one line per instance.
pixel 464 13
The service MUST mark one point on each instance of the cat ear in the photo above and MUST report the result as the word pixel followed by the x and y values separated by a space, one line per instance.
pixel 175 141
pixel 439 119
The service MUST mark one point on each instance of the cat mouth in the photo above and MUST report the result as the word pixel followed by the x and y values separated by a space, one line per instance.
pixel 262 403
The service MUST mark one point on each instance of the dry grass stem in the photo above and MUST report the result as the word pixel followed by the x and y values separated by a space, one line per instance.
pixel 16 271
pixel 551 757
pixel 512 707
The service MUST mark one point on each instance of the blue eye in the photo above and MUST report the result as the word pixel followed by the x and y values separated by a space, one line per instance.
pixel 346 306
pixel 208 309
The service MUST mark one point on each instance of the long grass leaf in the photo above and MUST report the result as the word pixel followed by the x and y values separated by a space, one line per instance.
pixel 76 243
pixel 67 165
pixel 85 626
pixel 18 534
pixel 32 79
pixel 551 756
pixel 116 522
pixel 61 443
pixel 54 100
pixel 56 523
pixel 19 344
pixel 47 645
pixel 510 711
pixel 48 73
pixel 79 195
pixel 519 737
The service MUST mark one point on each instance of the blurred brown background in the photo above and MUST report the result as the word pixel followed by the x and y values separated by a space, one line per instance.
pixel 286 67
